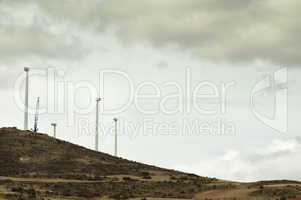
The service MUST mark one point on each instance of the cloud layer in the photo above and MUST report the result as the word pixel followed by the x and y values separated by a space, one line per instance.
pixel 280 157
pixel 26 32
pixel 218 31
pixel 215 30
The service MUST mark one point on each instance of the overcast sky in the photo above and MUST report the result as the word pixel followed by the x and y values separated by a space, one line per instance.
pixel 202 86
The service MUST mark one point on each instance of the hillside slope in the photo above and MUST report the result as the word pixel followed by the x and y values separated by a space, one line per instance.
pixel 52 167
pixel 23 154
pixel 41 167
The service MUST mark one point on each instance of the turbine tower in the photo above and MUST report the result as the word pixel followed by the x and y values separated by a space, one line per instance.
pixel 36 117
pixel 54 129
pixel 26 70
pixel 97 122
pixel 115 152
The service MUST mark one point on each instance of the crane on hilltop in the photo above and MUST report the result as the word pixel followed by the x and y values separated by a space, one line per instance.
pixel 36 117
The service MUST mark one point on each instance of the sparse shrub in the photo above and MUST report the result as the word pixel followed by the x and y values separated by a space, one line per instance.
pixel 127 179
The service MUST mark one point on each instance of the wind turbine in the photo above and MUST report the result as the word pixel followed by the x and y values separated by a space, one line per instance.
pixel 26 70
pixel 115 121
pixel 54 129
pixel 97 121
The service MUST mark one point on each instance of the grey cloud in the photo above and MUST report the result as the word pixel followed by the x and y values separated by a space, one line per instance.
pixel 83 12
pixel 240 165
pixel 215 30
pixel 25 32
pixel 20 42
pixel 281 149
pixel 219 31
pixel 298 139
pixel 162 64
pixel 270 156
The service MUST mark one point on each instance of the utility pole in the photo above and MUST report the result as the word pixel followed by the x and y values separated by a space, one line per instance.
pixel 54 129
pixel 36 117
pixel 115 122
pixel 26 70
pixel 97 122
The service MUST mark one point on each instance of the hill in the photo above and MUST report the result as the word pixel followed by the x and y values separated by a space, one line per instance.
pixel 48 167
pixel 24 154
pixel 36 166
